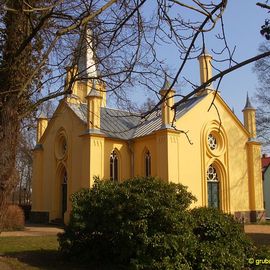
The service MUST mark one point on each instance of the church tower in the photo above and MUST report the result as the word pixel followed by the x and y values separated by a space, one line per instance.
pixel 83 76
pixel 205 71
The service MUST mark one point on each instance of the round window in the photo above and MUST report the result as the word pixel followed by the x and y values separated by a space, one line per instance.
pixel 215 143
pixel 212 142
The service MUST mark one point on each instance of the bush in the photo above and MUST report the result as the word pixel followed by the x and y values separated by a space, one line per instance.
pixel 222 243
pixel 140 222
pixel 145 223
pixel 14 218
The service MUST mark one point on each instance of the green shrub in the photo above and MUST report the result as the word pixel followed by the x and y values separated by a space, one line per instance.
pixel 141 223
pixel 222 243
pixel 145 223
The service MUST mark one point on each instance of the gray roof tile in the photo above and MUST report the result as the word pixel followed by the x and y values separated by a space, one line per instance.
pixel 126 125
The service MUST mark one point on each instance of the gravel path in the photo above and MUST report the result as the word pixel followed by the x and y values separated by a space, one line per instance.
pixel 260 234
pixel 264 229
pixel 34 230
pixel 4 266
pixel 37 230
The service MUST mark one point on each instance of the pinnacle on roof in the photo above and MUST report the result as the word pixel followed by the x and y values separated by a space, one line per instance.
pixel 204 51
pixel 166 84
pixel 248 103
pixel 42 115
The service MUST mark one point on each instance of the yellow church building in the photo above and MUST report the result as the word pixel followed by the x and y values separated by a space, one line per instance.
pixel 85 138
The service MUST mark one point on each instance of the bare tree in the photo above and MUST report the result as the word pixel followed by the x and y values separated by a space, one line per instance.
pixel 39 39
pixel 265 29
pixel 22 192
pixel 262 69
pixel 24 157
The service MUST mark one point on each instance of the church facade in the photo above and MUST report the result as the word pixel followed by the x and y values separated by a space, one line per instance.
pixel 220 161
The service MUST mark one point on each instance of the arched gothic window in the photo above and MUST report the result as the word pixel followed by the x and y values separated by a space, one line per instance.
pixel 147 158
pixel 114 166
pixel 213 187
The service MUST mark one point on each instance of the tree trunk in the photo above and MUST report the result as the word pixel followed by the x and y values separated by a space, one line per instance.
pixel 14 72
pixel 9 128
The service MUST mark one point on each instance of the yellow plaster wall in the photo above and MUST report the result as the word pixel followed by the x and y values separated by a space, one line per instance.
pixel 141 145
pixel 194 160
pixel 37 180
pixel 123 152
pixel 48 176
pixel 96 158
pixel 254 172
pixel 82 91
pixel 174 157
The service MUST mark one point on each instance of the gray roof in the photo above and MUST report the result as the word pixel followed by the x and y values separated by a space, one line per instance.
pixel 127 125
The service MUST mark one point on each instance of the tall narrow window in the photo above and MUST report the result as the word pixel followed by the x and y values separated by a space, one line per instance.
pixel 114 166
pixel 147 164
pixel 64 194
pixel 213 187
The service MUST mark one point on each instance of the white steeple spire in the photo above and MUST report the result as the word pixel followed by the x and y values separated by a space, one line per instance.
pixel 87 67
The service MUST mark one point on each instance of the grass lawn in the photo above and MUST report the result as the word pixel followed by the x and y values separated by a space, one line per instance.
pixel 41 252
pixel 32 253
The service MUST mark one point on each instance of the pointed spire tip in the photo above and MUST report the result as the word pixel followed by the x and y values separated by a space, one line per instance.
pixel 248 103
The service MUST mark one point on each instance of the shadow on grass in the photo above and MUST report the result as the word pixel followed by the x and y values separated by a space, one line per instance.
pixel 260 238
pixel 45 259
pixel 51 260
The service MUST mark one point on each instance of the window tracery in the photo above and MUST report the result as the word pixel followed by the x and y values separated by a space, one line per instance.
pixel 147 164
pixel 212 142
pixel 213 187
pixel 114 166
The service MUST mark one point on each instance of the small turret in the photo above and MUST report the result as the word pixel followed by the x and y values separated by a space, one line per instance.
pixel 93 109
pixel 167 112
pixel 205 69
pixel 42 123
pixel 249 113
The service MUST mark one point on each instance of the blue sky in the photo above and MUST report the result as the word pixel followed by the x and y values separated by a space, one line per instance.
pixel 243 20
